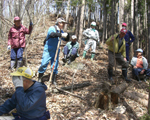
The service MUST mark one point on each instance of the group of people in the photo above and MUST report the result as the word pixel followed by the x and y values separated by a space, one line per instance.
pixel 29 98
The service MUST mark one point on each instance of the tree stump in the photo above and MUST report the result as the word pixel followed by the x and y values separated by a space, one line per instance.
pixel 107 97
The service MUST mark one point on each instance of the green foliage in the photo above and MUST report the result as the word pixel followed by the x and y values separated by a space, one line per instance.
pixel 145 117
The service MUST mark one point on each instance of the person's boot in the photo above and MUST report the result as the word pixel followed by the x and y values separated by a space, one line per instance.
pixel 72 58
pixel 12 65
pixel 19 64
pixel 64 59
pixel 84 54
pixel 92 56
pixel 54 79
pixel 137 78
pixel 40 76
pixel 124 73
pixel 110 74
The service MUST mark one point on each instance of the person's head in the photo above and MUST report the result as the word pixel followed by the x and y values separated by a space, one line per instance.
pixel 139 52
pixel 17 21
pixel 61 22
pixel 73 38
pixel 122 33
pixel 93 25
pixel 25 74
pixel 124 25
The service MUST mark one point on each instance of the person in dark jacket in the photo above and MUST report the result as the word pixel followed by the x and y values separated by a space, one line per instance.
pixel 53 36
pixel 29 98
pixel 71 50
pixel 129 38
pixel 16 41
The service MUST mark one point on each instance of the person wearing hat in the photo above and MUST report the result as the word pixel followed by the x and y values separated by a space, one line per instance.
pixel 129 38
pixel 116 43
pixel 140 65
pixel 92 36
pixel 29 98
pixel 16 41
pixel 71 50
pixel 55 33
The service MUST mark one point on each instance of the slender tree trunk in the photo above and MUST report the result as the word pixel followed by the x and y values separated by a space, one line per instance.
pixel 78 22
pixel 81 22
pixel 148 32
pixel 121 13
pixel 136 27
pixel 74 18
pixel 67 15
pixel 112 17
pixel 89 17
pixel 104 21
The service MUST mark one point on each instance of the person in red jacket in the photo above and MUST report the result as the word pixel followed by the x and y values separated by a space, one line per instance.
pixel 16 41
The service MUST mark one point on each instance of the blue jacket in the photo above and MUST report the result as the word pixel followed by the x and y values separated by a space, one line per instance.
pixel 127 38
pixel 53 38
pixel 30 104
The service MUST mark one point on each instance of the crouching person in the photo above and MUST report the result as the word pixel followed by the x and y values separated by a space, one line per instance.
pixel 29 98
pixel 71 50
pixel 140 65
pixel 116 43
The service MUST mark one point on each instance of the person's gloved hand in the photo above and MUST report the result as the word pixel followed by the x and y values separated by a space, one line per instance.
pixel 31 23
pixel 9 47
pixel 17 81
pixel 64 35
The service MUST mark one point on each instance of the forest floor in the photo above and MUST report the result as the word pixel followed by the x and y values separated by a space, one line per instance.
pixel 63 106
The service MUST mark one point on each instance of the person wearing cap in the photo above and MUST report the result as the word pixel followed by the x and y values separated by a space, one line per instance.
pixel 29 98
pixel 71 50
pixel 92 36
pixel 140 65
pixel 16 41
pixel 55 33
pixel 116 44
pixel 129 38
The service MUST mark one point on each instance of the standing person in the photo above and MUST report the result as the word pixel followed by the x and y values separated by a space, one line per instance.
pixel 116 43
pixel 29 98
pixel 93 37
pixel 16 41
pixel 50 47
pixel 140 65
pixel 71 50
pixel 127 38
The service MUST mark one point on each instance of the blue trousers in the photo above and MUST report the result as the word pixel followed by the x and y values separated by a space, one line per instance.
pixel 49 55
pixel 136 71
pixel 67 51
pixel 127 52
pixel 17 52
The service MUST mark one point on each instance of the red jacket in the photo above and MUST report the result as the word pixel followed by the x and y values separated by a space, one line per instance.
pixel 16 36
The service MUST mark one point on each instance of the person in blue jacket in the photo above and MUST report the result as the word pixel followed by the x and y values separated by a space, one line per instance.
pixel 29 98
pixel 127 38
pixel 71 50
pixel 53 36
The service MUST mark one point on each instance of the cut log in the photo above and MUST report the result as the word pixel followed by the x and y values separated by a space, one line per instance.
pixel 107 97
pixel 77 86
pixel 136 98
pixel 117 91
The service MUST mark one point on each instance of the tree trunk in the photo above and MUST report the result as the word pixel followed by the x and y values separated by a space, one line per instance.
pixel 104 21
pixel 136 27
pixel 121 13
pixel 67 15
pixel 89 17
pixel 112 17
pixel 78 22
pixel 81 23
pixel 149 51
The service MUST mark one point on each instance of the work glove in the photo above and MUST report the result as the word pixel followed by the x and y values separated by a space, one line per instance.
pixel 31 23
pixel 64 35
pixel 9 47
pixel 17 81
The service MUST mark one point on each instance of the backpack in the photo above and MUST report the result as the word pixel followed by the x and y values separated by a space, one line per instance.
pixel 44 42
